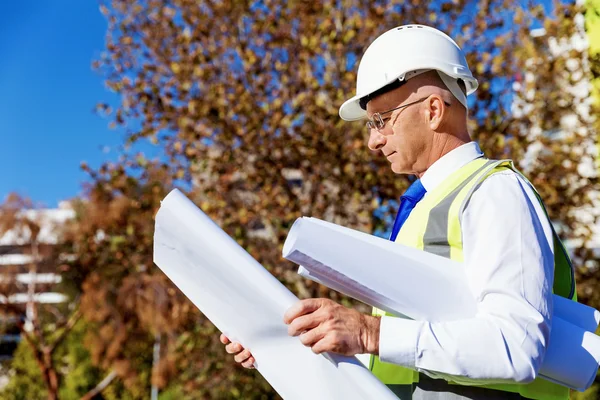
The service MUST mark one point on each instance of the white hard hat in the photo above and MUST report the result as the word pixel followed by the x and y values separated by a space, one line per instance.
pixel 402 53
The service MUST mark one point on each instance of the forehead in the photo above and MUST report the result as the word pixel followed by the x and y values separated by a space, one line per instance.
pixel 387 100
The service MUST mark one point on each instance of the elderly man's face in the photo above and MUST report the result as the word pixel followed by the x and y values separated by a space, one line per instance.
pixel 405 137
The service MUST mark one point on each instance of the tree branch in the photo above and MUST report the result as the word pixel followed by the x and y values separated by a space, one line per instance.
pixel 30 339
pixel 68 327
pixel 100 386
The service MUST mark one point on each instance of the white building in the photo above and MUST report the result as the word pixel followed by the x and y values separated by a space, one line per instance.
pixel 28 274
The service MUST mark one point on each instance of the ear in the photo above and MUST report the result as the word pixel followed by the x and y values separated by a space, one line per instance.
pixel 435 111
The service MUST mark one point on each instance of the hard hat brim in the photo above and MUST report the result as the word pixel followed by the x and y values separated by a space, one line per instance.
pixel 351 111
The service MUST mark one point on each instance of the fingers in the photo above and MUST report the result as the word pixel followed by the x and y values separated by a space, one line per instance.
pixel 320 346
pixel 304 323
pixel 234 348
pixel 243 356
pixel 224 339
pixel 300 308
pixel 312 336
pixel 249 363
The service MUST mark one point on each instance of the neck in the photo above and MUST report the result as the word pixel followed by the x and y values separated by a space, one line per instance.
pixel 442 145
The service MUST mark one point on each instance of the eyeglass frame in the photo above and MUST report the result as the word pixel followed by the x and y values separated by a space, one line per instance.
pixel 377 119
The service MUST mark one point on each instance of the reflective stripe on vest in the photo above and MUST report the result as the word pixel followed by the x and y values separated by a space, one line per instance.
pixel 434 226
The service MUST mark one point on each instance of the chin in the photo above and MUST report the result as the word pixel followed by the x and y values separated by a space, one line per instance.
pixel 397 169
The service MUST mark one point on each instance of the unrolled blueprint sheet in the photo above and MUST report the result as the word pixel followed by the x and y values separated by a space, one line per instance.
pixel 247 303
pixel 412 283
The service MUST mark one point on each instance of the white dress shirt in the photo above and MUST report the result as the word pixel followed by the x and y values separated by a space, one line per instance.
pixel 509 263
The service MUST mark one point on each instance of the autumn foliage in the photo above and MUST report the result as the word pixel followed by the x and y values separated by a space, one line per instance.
pixel 241 99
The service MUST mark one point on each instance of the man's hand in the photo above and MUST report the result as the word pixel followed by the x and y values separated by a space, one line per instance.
pixel 326 326
pixel 241 355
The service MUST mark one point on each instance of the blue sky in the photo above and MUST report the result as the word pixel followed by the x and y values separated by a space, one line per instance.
pixel 47 93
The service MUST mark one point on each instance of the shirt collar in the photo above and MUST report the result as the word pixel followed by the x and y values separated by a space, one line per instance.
pixel 449 163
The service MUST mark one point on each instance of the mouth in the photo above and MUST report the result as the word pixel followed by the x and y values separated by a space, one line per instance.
pixel 389 155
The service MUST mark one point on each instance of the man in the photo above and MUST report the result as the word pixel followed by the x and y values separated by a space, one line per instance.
pixel 411 87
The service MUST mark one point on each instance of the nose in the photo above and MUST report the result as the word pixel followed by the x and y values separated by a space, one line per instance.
pixel 376 140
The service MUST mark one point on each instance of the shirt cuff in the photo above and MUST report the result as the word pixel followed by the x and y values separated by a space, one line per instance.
pixel 398 338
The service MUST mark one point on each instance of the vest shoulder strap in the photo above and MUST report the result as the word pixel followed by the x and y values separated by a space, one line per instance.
pixel 564 272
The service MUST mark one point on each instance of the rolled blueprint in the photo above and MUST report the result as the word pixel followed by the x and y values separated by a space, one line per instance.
pixel 412 283
pixel 572 356
pixel 583 316
pixel 398 278
pixel 247 303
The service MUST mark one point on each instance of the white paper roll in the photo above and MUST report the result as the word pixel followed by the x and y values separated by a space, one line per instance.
pixel 409 282
pixel 576 313
pixel 396 274
pixel 572 356
pixel 247 303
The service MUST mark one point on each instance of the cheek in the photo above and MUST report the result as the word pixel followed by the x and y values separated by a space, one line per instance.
pixel 402 137
pixel 408 132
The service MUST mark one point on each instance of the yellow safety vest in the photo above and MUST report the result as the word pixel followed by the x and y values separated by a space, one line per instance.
pixel 434 226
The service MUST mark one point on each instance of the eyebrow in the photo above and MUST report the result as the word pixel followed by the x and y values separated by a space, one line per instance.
pixel 381 112
pixel 376 112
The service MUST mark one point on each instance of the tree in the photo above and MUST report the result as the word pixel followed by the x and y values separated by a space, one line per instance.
pixel 111 265
pixel 128 302
pixel 45 325
pixel 242 94
pixel 557 117
pixel 26 382
pixel 51 330
pixel 242 98
pixel 79 378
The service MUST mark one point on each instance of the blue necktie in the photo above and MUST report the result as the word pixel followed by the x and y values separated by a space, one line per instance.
pixel 408 201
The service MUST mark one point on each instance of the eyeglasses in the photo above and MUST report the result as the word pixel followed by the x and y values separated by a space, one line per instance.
pixel 377 121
